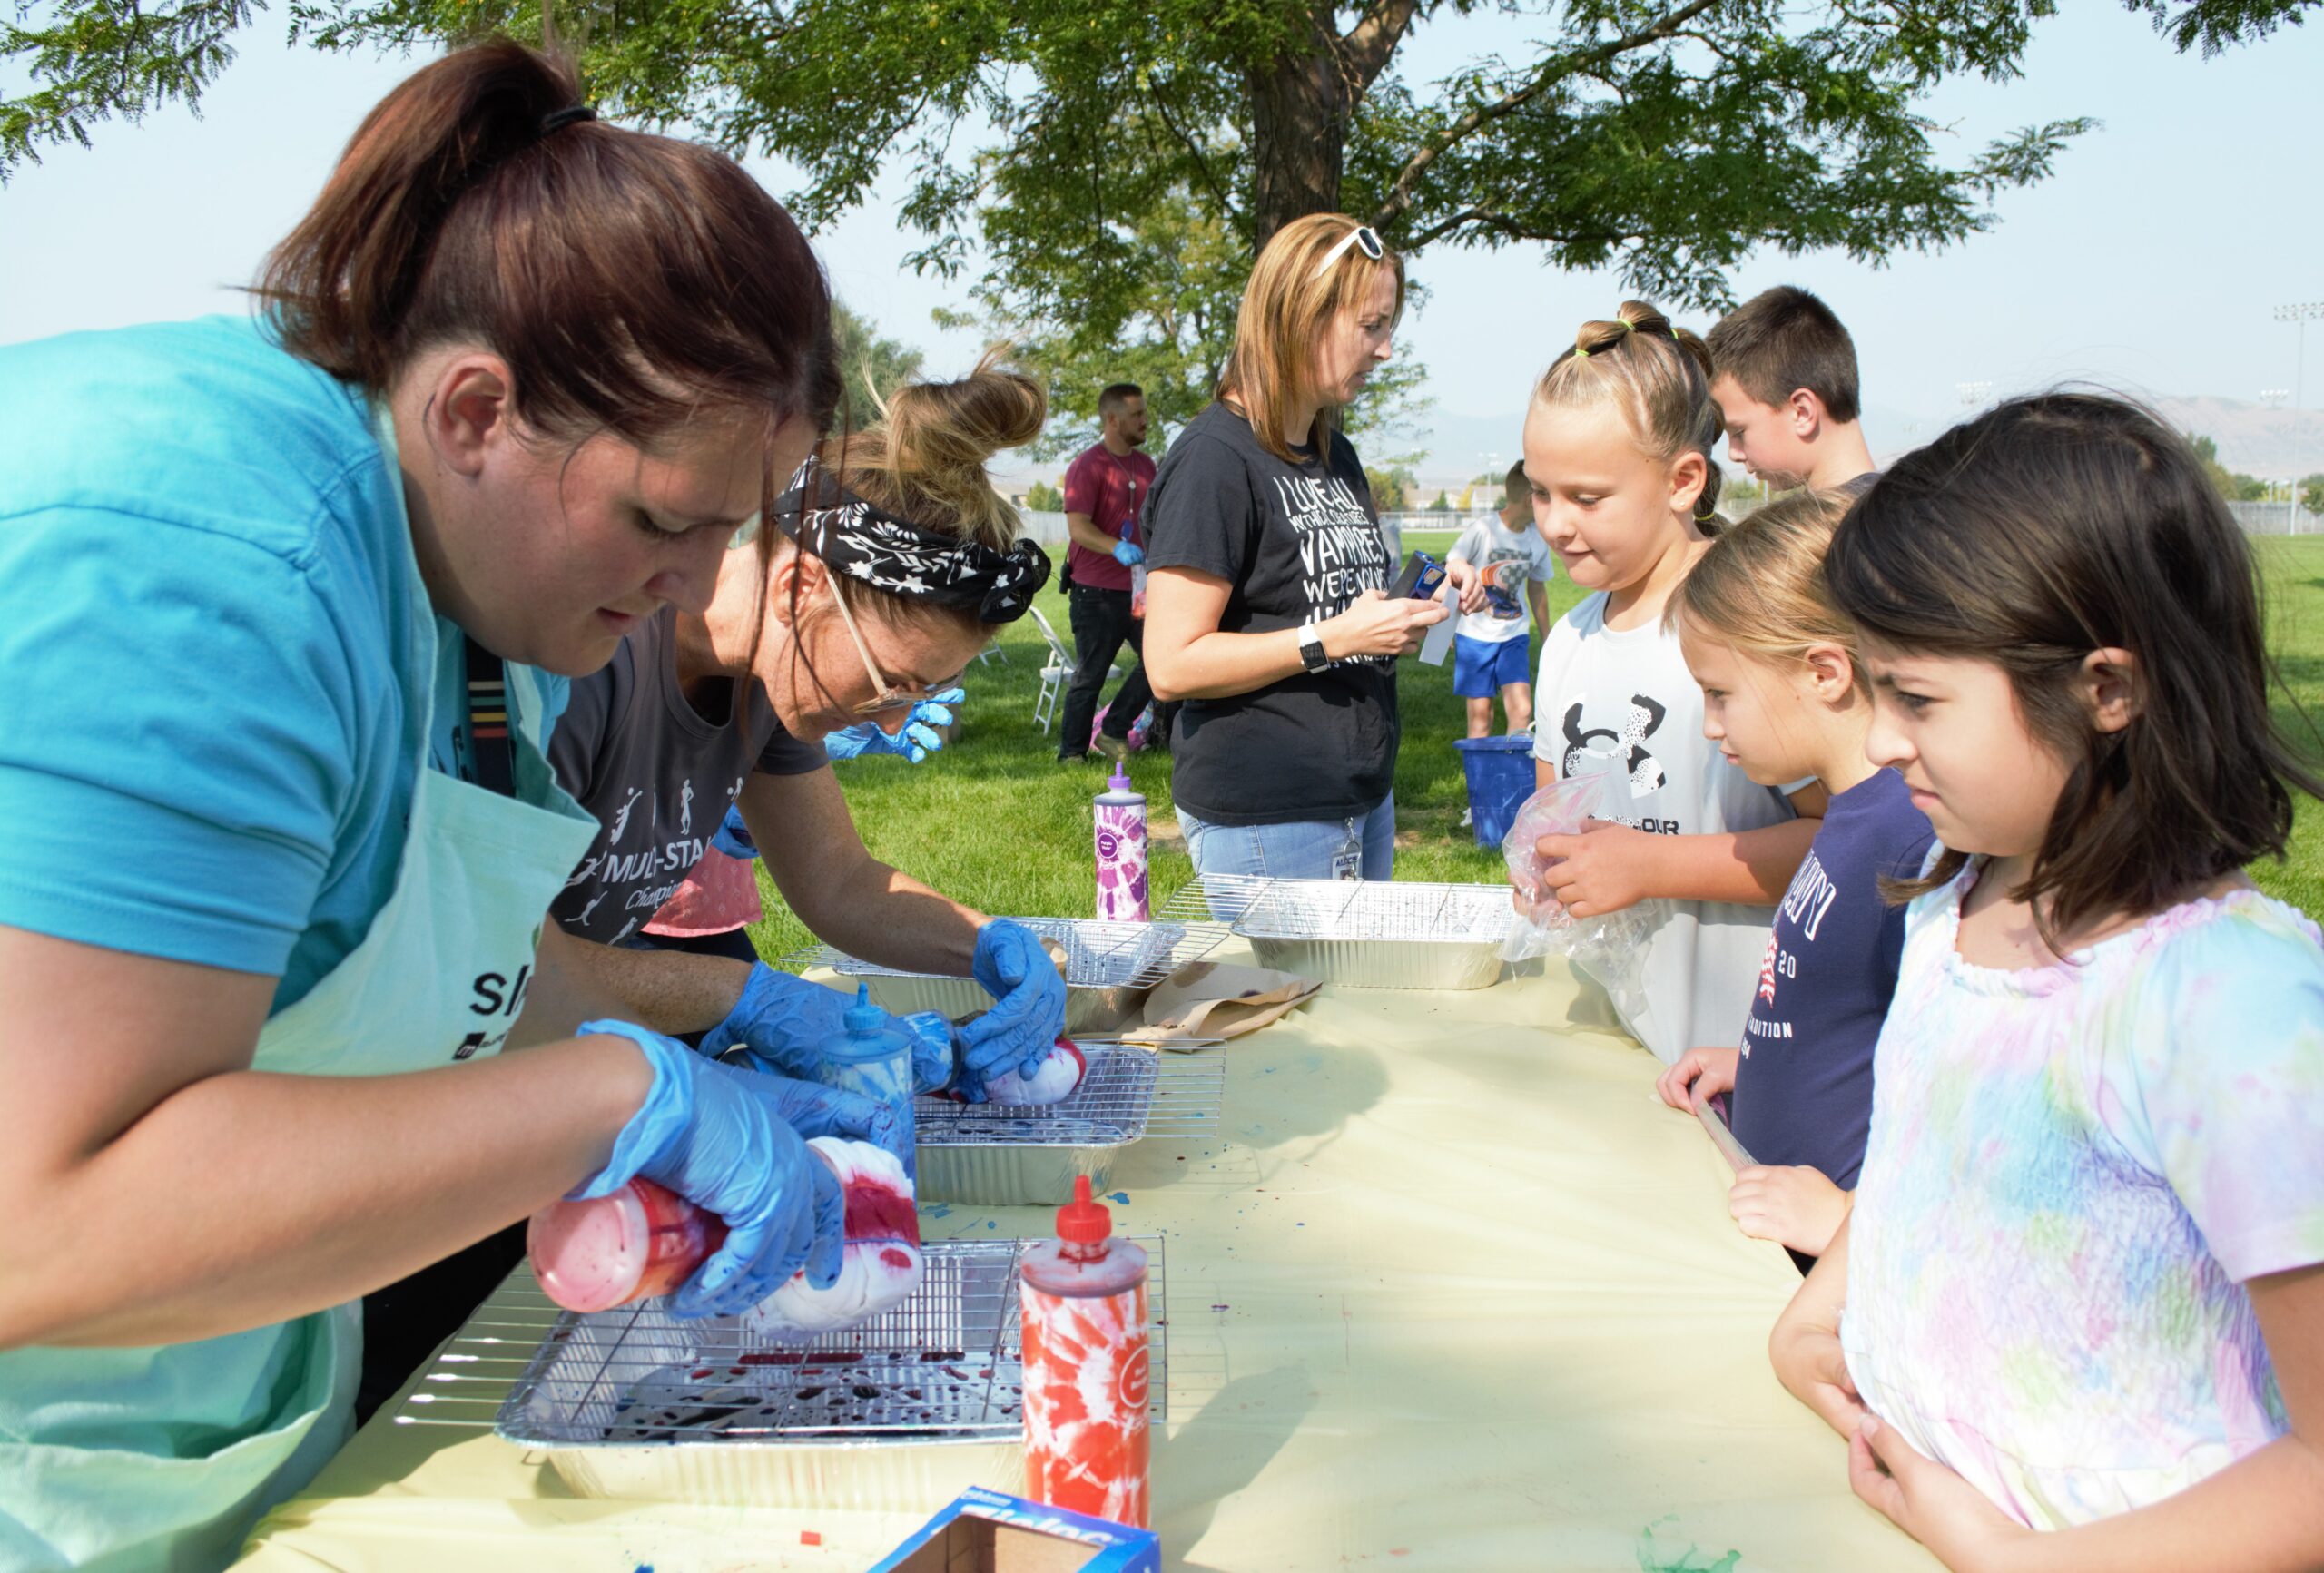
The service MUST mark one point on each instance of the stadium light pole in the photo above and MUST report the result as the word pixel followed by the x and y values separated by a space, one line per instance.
pixel 2300 313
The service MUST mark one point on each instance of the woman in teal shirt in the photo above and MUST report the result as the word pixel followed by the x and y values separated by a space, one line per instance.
pixel 286 612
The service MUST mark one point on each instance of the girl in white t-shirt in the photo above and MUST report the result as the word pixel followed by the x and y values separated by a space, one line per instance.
pixel 1618 443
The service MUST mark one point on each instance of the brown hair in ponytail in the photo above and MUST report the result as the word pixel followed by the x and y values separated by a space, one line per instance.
pixel 1659 374
pixel 631 283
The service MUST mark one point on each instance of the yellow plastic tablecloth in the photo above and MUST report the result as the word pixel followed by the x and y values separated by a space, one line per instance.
pixel 1451 1291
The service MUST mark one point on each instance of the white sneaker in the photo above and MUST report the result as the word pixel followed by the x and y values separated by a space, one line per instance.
pixel 1468 819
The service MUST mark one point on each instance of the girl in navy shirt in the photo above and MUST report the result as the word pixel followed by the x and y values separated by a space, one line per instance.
pixel 1781 699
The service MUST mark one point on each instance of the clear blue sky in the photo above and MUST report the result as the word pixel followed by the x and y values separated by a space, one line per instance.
pixel 2152 261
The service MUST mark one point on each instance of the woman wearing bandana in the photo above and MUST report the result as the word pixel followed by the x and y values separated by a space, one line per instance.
pixel 891 561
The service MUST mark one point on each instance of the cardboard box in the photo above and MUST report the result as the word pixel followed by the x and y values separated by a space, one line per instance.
pixel 984 1531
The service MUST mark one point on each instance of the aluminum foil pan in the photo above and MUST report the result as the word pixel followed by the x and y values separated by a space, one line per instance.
pixel 1109 969
pixel 909 1409
pixel 1000 1156
pixel 1380 934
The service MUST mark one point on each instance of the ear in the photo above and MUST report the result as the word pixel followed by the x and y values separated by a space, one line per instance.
pixel 1831 671
pixel 794 587
pixel 1689 473
pixel 2110 688
pixel 1806 413
pixel 470 411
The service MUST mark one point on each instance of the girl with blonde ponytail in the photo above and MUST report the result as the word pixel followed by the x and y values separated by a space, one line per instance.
pixel 1618 454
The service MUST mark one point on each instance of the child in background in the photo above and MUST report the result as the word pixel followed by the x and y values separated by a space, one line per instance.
pixel 2081 1278
pixel 1784 374
pixel 1782 700
pixel 1617 445
pixel 1490 650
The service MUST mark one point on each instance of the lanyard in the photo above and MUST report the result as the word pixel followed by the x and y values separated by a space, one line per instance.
pixel 487 721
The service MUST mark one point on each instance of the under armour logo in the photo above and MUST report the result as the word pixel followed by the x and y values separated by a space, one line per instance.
pixel 1645 771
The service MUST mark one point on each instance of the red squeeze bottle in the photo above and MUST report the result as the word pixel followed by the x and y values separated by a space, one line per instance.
pixel 1084 1300
pixel 639 1241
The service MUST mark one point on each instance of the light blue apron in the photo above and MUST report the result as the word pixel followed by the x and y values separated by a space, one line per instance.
pixel 162 1457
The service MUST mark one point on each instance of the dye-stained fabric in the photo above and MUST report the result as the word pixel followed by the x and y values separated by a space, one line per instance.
pixel 2071 1172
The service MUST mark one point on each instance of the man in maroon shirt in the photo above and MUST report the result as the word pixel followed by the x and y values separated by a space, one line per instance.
pixel 1104 489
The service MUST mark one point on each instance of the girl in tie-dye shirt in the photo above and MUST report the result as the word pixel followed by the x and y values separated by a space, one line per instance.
pixel 2080 1290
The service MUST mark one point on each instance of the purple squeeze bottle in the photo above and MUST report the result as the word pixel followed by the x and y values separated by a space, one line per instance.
pixel 1121 851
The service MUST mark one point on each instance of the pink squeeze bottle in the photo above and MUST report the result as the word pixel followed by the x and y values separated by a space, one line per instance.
pixel 1121 851
pixel 1086 1422
pixel 637 1241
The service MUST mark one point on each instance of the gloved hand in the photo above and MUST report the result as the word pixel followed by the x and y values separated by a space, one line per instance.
pixel 1127 553
pixel 783 1021
pixel 733 836
pixel 812 1109
pixel 933 1058
pixel 918 740
pixel 1028 1002
pixel 718 1137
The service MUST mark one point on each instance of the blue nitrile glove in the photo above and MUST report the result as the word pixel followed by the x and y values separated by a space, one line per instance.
pixel 733 836
pixel 718 1137
pixel 932 1060
pixel 918 740
pixel 812 1109
pixel 1127 553
pixel 1028 1002
pixel 783 1020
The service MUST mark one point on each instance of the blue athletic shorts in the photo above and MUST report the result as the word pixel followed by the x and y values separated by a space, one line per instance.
pixel 1482 669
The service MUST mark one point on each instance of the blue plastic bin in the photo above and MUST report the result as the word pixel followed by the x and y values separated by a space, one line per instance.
pixel 1501 778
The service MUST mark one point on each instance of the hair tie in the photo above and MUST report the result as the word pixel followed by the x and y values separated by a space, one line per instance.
pixel 1581 353
pixel 1625 324
pixel 556 120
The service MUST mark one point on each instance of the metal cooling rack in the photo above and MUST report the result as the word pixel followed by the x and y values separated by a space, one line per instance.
pixel 946 1365
pixel 1127 1093
pixel 1099 954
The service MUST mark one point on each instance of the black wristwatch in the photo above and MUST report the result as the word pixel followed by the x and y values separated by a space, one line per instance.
pixel 1311 648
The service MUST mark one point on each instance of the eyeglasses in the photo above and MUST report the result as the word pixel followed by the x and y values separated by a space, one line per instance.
pixel 885 695
pixel 1363 238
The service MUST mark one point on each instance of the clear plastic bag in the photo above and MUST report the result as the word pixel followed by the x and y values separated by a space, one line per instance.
pixel 1610 947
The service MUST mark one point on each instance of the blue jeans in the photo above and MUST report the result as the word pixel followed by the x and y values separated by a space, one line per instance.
pixel 1359 847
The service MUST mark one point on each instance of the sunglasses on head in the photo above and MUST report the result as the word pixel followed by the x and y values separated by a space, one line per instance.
pixel 1363 238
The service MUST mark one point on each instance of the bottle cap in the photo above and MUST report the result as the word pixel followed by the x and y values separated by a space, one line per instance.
pixel 1082 1221
pixel 1119 780
pixel 862 1019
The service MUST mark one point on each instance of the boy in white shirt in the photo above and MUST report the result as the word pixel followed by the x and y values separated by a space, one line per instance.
pixel 1490 653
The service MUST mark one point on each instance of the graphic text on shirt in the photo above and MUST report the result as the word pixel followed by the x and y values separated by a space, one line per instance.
pixel 1341 554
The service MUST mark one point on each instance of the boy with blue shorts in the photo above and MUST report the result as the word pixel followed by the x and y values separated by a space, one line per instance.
pixel 1490 653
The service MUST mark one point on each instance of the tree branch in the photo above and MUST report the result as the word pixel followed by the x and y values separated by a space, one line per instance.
pixel 1553 71
pixel 1366 50
pixel 1195 151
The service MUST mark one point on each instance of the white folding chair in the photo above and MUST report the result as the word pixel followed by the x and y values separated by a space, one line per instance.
pixel 1055 674
pixel 1058 672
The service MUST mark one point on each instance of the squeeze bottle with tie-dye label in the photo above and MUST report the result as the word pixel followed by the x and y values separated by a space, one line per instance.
pixel 1086 1441
pixel 1121 851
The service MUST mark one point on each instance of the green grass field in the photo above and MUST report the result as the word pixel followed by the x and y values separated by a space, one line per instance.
pixel 995 821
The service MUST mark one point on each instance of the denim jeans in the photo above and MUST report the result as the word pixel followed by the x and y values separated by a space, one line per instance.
pixel 1361 846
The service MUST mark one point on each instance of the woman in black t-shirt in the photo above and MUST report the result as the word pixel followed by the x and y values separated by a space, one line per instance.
pixel 1265 609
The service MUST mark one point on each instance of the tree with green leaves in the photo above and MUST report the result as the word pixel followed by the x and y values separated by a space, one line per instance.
pixel 1119 163
pixel 1044 499
pixel 872 363
pixel 2312 493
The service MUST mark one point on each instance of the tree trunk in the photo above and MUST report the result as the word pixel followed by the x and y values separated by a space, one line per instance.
pixel 1299 116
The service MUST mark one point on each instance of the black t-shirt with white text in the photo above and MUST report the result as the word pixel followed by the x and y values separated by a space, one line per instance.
pixel 658 774
pixel 1298 542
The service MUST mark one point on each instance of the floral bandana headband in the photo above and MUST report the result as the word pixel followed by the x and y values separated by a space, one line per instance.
pixel 888 552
